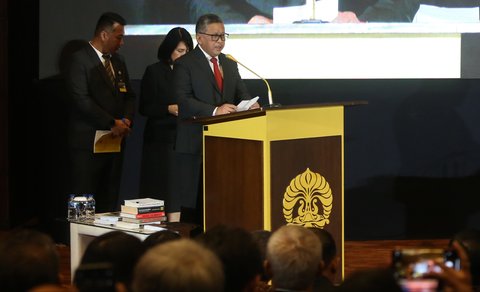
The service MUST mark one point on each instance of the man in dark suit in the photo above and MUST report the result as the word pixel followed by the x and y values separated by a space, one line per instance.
pixel 200 93
pixel 101 99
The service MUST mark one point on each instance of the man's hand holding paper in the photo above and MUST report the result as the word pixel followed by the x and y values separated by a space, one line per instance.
pixel 248 104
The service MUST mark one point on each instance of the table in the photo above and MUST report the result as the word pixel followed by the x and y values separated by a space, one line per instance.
pixel 83 232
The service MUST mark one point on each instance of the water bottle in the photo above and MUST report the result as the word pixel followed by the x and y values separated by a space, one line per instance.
pixel 81 204
pixel 72 208
pixel 90 207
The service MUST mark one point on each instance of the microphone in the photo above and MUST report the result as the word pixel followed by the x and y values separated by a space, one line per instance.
pixel 270 100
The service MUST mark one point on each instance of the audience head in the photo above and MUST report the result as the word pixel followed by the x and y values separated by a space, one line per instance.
pixel 329 253
pixel 160 237
pixel 115 248
pixel 28 258
pixel 178 266
pixel 239 254
pixel 261 237
pixel 210 34
pixel 371 280
pixel 470 240
pixel 176 43
pixel 294 256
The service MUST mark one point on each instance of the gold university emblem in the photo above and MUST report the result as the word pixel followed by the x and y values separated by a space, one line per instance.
pixel 308 200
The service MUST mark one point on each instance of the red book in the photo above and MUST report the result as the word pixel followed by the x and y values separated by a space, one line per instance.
pixel 144 215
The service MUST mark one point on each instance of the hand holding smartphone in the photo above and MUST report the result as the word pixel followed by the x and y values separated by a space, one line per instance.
pixel 413 267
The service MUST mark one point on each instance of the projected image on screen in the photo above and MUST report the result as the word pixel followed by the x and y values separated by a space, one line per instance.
pixel 290 11
pixel 339 39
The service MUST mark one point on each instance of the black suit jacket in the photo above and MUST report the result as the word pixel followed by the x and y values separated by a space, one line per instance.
pixel 95 101
pixel 198 95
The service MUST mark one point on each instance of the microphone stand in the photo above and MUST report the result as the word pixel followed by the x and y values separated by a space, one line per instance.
pixel 313 18
pixel 270 99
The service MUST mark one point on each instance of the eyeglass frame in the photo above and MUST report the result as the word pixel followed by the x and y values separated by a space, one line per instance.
pixel 216 37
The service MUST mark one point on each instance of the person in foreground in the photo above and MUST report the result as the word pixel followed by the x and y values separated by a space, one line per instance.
pixel 371 280
pixel 294 258
pixel 206 84
pixel 108 263
pixel 326 279
pixel 239 254
pixel 158 103
pixel 469 239
pixel 178 266
pixel 101 98
pixel 456 280
pixel 29 261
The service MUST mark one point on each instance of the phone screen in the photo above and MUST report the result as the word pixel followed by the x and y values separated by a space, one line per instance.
pixel 411 266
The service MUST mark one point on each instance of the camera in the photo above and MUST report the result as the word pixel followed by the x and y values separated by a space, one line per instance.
pixel 411 267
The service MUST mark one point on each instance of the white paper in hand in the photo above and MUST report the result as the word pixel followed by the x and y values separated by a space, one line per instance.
pixel 246 104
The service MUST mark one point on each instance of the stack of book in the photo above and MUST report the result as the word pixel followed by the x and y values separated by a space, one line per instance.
pixel 136 213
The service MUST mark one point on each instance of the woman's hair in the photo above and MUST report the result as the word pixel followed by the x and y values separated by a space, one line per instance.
pixel 171 41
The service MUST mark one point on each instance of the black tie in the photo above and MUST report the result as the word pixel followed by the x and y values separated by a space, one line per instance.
pixel 108 67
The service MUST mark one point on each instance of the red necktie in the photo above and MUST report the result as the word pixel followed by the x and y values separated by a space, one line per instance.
pixel 218 75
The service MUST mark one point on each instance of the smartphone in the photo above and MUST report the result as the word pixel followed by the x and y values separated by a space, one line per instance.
pixel 451 259
pixel 411 266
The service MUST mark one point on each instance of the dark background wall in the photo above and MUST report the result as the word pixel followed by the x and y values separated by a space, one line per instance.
pixel 411 155
pixel 4 171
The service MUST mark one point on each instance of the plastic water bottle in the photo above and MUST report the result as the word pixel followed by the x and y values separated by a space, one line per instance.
pixel 81 203
pixel 90 207
pixel 72 208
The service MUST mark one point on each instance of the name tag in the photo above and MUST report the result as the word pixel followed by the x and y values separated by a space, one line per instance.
pixel 122 87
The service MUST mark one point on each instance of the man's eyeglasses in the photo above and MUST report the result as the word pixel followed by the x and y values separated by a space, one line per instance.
pixel 216 37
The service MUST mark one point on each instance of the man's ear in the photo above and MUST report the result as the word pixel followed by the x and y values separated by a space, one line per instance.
pixel 268 269
pixel 104 35
pixel 321 267
pixel 334 265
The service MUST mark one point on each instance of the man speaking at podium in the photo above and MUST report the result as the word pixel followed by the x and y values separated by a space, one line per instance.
pixel 206 83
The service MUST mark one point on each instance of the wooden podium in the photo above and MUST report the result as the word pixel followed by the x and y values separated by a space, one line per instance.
pixel 269 167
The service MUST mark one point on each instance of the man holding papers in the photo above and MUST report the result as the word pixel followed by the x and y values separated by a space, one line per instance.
pixel 101 99
pixel 206 84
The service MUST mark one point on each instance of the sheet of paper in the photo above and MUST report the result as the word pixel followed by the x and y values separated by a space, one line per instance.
pixel 106 142
pixel 246 104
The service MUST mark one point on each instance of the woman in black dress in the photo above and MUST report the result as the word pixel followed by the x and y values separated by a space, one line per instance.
pixel 159 105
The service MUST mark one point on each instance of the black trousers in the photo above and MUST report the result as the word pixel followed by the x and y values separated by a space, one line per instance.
pixel 98 174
